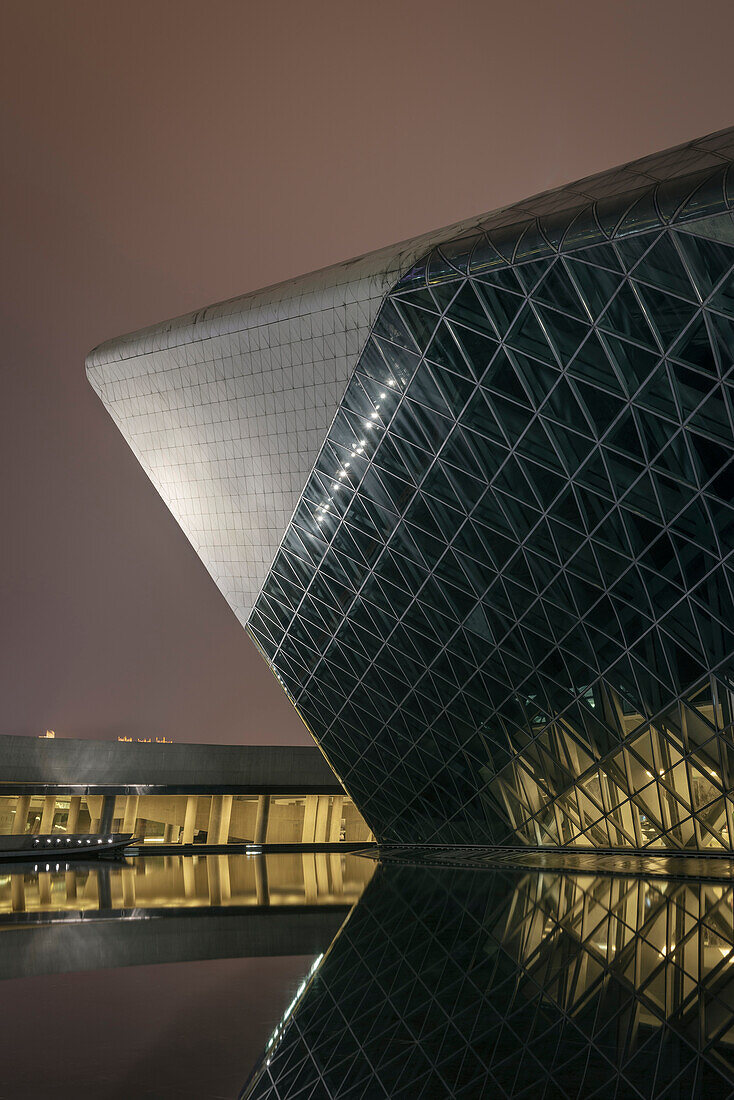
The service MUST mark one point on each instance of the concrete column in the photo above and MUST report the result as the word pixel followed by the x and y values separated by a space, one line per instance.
pixel 21 816
pixel 219 885
pixel 94 805
pixel 322 818
pixel 131 813
pixel 104 891
pixel 44 888
pixel 189 826
pixel 90 888
pixel 261 881
pixel 47 817
pixel 225 820
pixel 335 824
pixel 189 878
pixel 108 814
pixel 75 803
pixel 141 826
pixel 322 873
pixel 219 816
pixel 70 882
pixel 170 834
pixel 310 887
pixel 261 820
pixel 128 886
pixel 337 880
pixel 309 819
pixel 17 890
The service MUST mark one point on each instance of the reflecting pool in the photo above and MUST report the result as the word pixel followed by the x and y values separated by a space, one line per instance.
pixel 45 890
pixel 452 982
pixel 330 974
pixel 162 976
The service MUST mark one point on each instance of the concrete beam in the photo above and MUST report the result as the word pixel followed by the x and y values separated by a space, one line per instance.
pixel 257 769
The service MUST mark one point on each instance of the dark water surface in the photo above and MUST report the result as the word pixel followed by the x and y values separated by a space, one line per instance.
pixel 325 975
pixel 162 977
pixel 519 982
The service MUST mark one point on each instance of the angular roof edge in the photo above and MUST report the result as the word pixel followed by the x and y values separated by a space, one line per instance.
pixel 228 407
pixel 221 317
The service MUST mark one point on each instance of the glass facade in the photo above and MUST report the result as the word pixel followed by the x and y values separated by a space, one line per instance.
pixel 467 984
pixel 504 603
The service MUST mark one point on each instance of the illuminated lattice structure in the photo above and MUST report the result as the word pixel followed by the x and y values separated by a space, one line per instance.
pixel 505 592
pixel 503 603
pixel 472 984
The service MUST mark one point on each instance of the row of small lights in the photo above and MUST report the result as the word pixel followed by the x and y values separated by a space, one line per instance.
pixel 299 993
pixel 100 840
pixel 357 449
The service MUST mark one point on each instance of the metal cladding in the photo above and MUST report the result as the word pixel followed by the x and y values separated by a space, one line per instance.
pixel 226 408
pixel 503 602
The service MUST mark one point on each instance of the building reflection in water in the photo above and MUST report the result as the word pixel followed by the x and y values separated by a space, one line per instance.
pixel 464 983
pixel 179 882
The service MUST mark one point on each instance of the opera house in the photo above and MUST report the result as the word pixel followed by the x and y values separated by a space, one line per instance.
pixel 472 496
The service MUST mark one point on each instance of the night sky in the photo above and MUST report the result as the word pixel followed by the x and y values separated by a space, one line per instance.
pixel 157 156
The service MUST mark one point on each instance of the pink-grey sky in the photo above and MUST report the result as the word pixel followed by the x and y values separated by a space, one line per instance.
pixel 161 155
